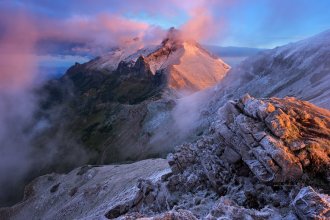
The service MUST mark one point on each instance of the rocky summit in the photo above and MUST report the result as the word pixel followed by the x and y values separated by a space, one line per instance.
pixel 262 159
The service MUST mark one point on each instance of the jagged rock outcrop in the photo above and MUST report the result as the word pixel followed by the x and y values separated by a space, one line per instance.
pixel 259 154
pixel 278 139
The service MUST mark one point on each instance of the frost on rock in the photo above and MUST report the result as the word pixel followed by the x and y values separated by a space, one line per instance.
pixel 261 159
pixel 312 205
pixel 259 153
pixel 278 139
pixel 89 192
pixel 298 69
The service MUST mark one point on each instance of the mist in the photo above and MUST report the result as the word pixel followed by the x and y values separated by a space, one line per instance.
pixel 17 103
pixel 20 159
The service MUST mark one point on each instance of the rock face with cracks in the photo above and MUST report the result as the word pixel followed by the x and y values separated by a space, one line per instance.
pixel 278 139
pixel 262 159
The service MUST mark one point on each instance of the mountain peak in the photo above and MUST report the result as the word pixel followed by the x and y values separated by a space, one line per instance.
pixel 173 38
pixel 184 64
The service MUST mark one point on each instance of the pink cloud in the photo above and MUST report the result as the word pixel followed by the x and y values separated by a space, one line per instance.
pixel 102 29
pixel 20 36
pixel 17 44
pixel 202 24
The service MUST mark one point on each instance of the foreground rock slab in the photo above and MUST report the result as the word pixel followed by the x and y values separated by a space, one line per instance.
pixel 87 192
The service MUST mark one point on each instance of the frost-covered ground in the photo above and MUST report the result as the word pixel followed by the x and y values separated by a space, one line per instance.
pixel 84 193
pixel 299 69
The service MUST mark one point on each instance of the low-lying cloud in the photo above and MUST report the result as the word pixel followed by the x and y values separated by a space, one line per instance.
pixel 18 104
pixel 17 73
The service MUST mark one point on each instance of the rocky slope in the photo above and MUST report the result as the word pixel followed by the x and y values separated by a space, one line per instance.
pixel 125 107
pixel 85 192
pixel 300 69
pixel 262 159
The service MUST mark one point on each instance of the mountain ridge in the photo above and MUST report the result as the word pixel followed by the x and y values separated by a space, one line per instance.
pixel 300 69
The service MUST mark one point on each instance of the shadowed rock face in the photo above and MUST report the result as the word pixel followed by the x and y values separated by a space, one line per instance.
pixel 262 159
pixel 309 204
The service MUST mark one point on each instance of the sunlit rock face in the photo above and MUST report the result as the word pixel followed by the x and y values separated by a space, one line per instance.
pixel 262 159
pixel 186 66
pixel 278 139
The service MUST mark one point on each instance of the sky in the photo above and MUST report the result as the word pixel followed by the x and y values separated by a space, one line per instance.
pixel 58 33
pixel 250 23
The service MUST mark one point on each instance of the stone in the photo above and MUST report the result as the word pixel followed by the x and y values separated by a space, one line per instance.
pixel 309 204
pixel 280 129
pixel 281 124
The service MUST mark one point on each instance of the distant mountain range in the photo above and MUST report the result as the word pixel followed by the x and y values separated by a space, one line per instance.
pixel 232 51
pixel 233 55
